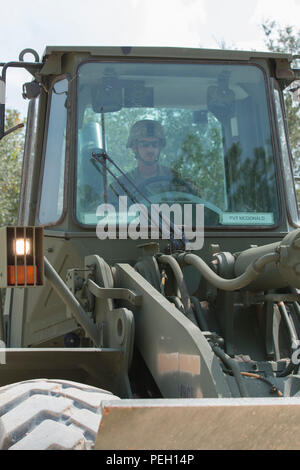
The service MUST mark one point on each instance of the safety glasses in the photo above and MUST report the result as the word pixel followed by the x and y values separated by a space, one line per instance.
pixel 146 144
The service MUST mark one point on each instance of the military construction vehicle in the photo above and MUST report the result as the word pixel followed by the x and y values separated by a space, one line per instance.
pixel 152 282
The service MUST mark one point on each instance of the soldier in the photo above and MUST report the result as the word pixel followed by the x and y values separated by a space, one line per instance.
pixel 146 139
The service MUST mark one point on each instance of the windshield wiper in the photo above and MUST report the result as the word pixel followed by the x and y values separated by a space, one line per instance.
pixel 176 243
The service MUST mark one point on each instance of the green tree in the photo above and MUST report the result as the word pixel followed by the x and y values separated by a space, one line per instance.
pixel 11 150
pixel 200 160
pixel 287 39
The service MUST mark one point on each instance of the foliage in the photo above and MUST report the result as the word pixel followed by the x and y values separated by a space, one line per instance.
pixel 200 162
pixel 286 39
pixel 281 38
pixel 11 149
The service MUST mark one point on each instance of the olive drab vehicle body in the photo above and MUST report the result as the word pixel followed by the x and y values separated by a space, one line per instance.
pixel 152 282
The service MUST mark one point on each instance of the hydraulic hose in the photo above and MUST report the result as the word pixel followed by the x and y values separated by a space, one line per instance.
pixel 296 304
pixel 288 322
pixel 293 337
pixel 167 259
pixel 199 314
pixel 181 285
pixel 232 364
pixel 238 375
pixel 252 272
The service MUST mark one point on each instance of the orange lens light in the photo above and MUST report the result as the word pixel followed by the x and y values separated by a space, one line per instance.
pixel 17 276
pixel 22 256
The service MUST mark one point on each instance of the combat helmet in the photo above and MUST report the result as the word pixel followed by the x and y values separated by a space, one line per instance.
pixel 146 128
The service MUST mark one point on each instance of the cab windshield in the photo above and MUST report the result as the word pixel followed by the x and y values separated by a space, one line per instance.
pixel 176 133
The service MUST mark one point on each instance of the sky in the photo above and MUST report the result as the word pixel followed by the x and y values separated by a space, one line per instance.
pixel 179 23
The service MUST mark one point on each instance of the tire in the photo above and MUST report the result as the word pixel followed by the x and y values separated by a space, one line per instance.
pixel 47 414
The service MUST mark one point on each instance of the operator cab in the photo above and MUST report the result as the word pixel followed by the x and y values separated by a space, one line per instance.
pixel 220 144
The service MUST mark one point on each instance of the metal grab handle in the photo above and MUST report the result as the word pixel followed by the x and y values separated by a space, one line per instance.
pixel 114 293
pixel 72 303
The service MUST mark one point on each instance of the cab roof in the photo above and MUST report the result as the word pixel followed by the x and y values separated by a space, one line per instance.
pixel 172 52
pixel 281 62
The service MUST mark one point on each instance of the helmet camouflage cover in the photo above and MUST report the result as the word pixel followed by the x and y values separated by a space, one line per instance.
pixel 146 128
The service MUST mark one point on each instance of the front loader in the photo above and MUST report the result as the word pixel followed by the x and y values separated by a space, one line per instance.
pixel 158 311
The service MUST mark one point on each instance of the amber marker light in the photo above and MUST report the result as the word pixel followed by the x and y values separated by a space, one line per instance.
pixel 24 256
pixel 22 247
pixel 22 272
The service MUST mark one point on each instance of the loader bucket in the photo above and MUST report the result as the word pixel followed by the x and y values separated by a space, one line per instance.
pixel 200 424
pixel 103 368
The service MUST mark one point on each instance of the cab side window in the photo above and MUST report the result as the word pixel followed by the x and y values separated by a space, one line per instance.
pixel 52 190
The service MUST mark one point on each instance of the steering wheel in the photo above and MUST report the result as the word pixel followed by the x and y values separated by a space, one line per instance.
pixel 175 181
pixel 180 196
pixel 174 195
